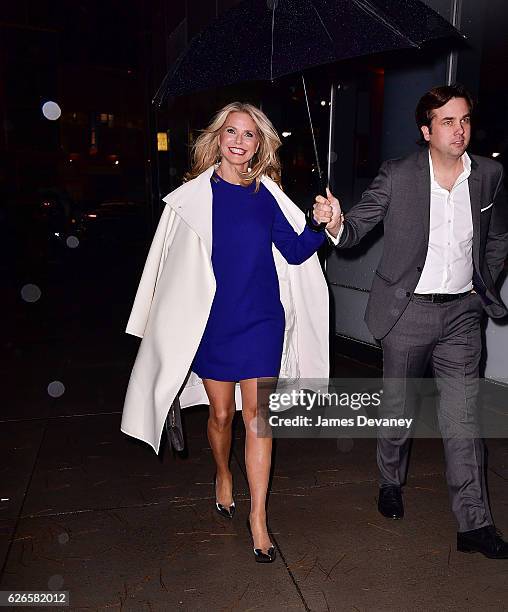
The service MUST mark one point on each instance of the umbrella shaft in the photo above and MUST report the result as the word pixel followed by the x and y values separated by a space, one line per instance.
pixel 318 166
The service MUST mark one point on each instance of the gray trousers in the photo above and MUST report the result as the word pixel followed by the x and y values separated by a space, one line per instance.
pixel 448 337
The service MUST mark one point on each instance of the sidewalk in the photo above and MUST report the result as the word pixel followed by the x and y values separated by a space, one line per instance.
pixel 96 513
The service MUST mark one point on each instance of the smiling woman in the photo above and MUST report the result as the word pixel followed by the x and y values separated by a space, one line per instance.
pixel 240 291
pixel 238 143
pixel 246 141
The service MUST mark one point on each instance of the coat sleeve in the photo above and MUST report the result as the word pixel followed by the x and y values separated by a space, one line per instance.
pixel 151 272
pixel 496 248
pixel 370 210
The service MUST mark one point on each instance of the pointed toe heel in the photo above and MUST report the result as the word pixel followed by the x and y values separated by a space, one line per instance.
pixel 267 557
pixel 260 556
pixel 225 511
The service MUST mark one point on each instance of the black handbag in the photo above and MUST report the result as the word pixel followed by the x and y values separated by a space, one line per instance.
pixel 174 427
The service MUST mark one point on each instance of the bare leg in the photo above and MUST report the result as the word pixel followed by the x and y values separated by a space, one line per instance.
pixel 222 410
pixel 258 458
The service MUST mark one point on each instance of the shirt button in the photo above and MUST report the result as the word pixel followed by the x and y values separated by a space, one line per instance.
pixel 418 268
pixel 407 294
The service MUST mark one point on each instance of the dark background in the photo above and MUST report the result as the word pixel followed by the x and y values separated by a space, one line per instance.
pixel 95 174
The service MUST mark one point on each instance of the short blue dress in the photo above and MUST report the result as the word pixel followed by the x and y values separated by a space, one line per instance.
pixel 244 334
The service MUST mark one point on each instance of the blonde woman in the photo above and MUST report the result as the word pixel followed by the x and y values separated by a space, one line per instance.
pixel 232 294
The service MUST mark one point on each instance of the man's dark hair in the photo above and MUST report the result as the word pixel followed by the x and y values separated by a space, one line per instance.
pixel 436 98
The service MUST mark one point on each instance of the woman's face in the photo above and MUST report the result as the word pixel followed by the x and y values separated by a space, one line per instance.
pixel 238 140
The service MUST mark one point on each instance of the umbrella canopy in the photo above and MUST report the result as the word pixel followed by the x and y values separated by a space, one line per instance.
pixel 267 39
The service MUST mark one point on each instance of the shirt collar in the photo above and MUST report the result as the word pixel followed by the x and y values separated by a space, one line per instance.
pixel 466 163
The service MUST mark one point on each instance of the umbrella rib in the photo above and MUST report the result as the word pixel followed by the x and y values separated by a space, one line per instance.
pixel 367 7
pixel 271 51
pixel 322 22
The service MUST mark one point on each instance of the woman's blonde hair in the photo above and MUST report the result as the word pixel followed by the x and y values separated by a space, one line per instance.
pixel 206 152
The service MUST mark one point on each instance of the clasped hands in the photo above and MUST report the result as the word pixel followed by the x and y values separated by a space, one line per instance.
pixel 327 210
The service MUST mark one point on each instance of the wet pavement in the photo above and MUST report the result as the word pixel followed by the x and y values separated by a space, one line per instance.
pixel 88 510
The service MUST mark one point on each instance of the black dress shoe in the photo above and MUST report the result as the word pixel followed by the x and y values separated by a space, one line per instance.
pixel 389 502
pixel 486 540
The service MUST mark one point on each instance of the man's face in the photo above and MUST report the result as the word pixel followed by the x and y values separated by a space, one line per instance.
pixel 450 128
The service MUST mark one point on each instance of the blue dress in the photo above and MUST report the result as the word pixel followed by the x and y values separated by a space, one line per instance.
pixel 244 334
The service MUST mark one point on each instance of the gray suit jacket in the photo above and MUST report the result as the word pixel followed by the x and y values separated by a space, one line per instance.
pixel 400 197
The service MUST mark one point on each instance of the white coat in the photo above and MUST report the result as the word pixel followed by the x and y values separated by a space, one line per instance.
pixel 173 303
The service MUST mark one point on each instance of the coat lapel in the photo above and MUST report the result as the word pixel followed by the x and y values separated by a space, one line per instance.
pixel 475 190
pixel 193 203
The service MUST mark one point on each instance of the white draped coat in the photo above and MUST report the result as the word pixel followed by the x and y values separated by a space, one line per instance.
pixel 174 299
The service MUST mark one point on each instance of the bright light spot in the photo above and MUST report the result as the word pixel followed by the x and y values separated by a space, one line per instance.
pixel 116 163
pixel 496 154
pixel 162 141
pixel 51 111
pixel 323 102
pixel 92 216
pixel 57 234
pixel 72 242
pixel 30 293
pixel 56 388
pixel 286 134
pixel 4 499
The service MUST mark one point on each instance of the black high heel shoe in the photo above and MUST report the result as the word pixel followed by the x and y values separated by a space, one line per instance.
pixel 226 512
pixel 260 556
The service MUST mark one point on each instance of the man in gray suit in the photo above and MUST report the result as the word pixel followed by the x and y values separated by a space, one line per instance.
pixel 445 217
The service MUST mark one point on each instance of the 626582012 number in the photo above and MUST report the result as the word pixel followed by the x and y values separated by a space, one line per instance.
pixel 34 598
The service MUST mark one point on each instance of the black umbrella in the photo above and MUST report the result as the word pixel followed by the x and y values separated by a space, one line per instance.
pixel 267 39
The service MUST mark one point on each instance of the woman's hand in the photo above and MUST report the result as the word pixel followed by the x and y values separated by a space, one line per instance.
pixel 327 210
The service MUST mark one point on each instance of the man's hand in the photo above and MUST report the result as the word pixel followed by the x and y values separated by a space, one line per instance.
pixel 327 210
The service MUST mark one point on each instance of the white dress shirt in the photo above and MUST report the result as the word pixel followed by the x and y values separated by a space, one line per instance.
pixel 449 263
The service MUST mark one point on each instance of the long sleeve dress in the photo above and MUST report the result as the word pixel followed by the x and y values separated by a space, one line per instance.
pixel 244 334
